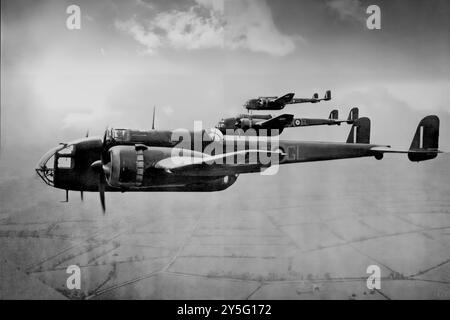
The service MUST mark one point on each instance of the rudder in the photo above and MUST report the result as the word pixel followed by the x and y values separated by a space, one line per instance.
pixel 425 143
pixel 334 115
pixel 360 131
pixel 353 114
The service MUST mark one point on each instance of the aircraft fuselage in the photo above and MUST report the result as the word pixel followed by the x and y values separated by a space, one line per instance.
pixel 78 174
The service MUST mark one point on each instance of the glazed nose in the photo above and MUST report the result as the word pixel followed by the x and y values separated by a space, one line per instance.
pixel 45 167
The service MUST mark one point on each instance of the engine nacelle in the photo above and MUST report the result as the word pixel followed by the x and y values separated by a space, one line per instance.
pixel 246 123
pixel 127 166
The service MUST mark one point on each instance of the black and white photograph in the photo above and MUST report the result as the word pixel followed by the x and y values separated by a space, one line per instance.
pixel 248 150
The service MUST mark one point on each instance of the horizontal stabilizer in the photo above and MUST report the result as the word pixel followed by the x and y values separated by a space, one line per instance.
pixel 388 149
pixel 412 154
pixel 424 145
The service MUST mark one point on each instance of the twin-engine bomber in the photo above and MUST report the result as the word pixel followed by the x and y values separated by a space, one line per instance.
pixel 278 103
pixel 265 123
pixel 157 160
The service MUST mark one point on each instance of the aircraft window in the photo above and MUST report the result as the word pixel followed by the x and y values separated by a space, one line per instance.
pixel 45 167
pixel 50 163
pixel 64 163
pixel 119 134
pixel 66 151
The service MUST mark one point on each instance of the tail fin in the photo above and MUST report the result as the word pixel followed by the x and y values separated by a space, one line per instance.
pixel 334 115
pixel 426 140
pixel 327 95
pixel 353 114
pixel 360 132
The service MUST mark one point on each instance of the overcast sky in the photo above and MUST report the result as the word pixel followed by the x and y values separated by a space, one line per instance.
pixel 201 59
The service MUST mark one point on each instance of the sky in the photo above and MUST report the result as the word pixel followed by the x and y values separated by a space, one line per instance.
pixel 202 59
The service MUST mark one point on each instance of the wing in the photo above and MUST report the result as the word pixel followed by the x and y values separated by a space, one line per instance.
pixel 222 164
pixel 280 121
pixel 285 99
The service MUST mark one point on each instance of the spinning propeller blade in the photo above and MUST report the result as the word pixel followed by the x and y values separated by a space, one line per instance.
pixel 101 190
pixel 100 167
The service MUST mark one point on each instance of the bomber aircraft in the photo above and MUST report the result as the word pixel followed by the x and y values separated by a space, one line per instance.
pixel 243 122
pixel 127 160
pixel 278 103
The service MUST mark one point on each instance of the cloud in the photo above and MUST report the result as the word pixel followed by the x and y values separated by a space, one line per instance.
pixel 189 30
pixel 199 27
pixel 250 25
pixel 148 39
pixel 347 10
pixel 246 25
pixel 216 5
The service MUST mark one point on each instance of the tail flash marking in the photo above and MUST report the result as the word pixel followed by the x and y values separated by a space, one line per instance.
pixel 421 138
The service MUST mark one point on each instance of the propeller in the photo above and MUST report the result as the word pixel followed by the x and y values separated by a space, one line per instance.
pixel 101 190
pixel 100 167
pixel 81 192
